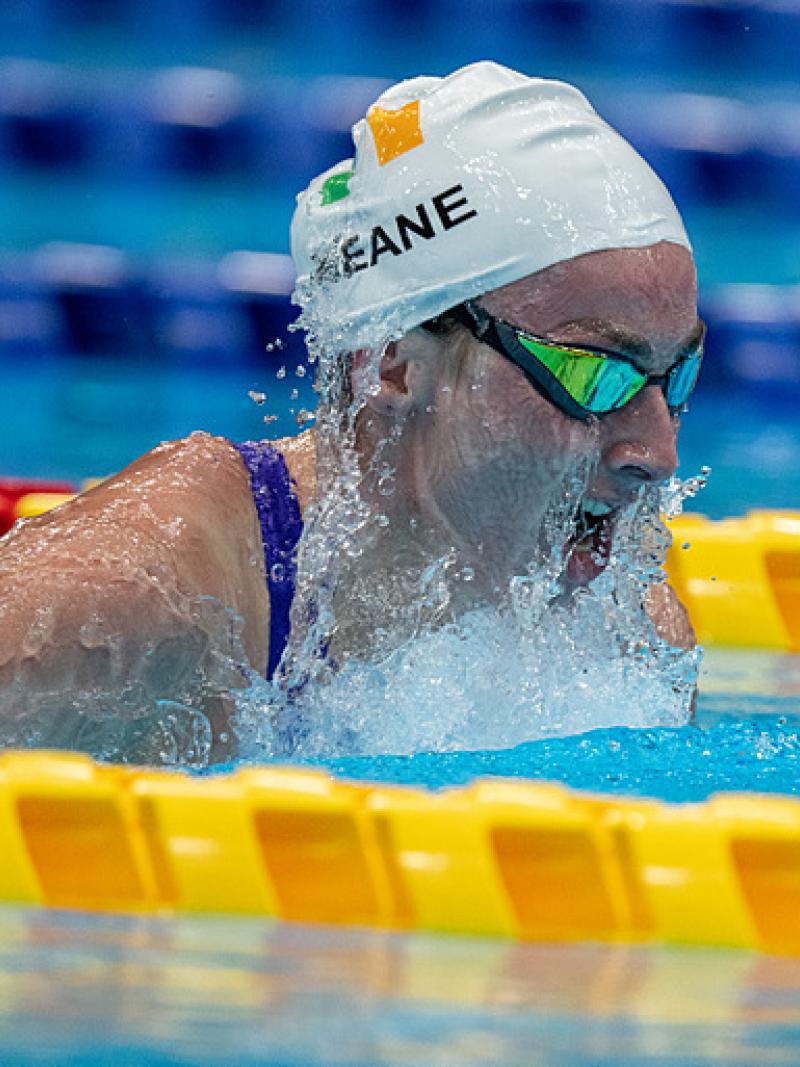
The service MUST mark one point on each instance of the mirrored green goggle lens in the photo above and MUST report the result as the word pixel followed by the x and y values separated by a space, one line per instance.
pixel 600 384
pixel 682 380
pixel 597 383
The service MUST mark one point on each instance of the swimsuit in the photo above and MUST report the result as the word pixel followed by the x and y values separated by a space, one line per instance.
pixel 281 527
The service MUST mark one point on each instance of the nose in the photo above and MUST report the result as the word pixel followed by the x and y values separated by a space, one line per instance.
pixel 638 442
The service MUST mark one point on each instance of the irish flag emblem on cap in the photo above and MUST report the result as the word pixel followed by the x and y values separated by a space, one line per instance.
pixel 395 132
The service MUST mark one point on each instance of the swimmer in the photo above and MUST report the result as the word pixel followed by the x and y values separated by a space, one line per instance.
pixel 507 288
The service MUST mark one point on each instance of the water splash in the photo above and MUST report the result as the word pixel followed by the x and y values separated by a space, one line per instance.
pixel 539 667
pixel 438 676
pixel 679 490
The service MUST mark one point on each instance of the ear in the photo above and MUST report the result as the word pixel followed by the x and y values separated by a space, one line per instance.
pixel 402 375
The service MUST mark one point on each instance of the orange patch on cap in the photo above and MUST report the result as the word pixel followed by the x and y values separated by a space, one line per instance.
pixel 395 132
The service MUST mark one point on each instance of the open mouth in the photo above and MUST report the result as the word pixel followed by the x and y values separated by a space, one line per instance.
pixel 588 551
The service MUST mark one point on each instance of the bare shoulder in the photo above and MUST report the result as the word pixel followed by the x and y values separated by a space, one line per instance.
pixel 202 468
pixel 300 455
pixel 181 516
pixel 186 495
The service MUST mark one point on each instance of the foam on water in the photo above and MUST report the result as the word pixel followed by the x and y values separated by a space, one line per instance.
pixel 483 683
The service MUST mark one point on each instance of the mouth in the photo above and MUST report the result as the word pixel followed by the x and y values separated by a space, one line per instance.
pixel 589 549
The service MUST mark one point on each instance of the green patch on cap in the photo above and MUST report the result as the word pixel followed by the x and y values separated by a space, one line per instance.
pixel 336 187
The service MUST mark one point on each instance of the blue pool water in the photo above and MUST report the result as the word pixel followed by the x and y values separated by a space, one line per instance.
pixel 760 754
pixel 747 738
pixel 60 424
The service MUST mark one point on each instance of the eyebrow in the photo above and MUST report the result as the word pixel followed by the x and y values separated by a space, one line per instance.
pixel 626 341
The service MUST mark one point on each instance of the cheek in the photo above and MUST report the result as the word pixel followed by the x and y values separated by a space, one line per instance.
pixel 513 420
pixel 503 446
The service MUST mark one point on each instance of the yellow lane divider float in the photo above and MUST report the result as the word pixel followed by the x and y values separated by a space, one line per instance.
pixel 520 859
pixel 740 578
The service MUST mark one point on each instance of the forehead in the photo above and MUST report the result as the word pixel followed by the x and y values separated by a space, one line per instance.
pixel 650 292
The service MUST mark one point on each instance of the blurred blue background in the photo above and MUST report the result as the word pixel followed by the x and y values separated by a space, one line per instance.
pixel 150 154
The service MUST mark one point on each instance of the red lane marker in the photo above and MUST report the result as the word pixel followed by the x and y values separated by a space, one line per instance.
pixel 11 489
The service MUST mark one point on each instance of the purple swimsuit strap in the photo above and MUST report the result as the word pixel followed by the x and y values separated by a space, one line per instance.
pixel 281 526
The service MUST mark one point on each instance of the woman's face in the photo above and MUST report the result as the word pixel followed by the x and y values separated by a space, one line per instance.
pixel 491 455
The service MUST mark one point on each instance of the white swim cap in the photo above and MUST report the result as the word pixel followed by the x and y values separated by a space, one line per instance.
pixel 463 184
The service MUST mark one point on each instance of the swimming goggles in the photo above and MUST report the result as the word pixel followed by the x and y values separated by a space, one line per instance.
pixel 581 382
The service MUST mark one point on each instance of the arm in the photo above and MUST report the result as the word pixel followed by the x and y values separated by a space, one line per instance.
pixel 131 593
pixel 669 616
pixel 671 621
